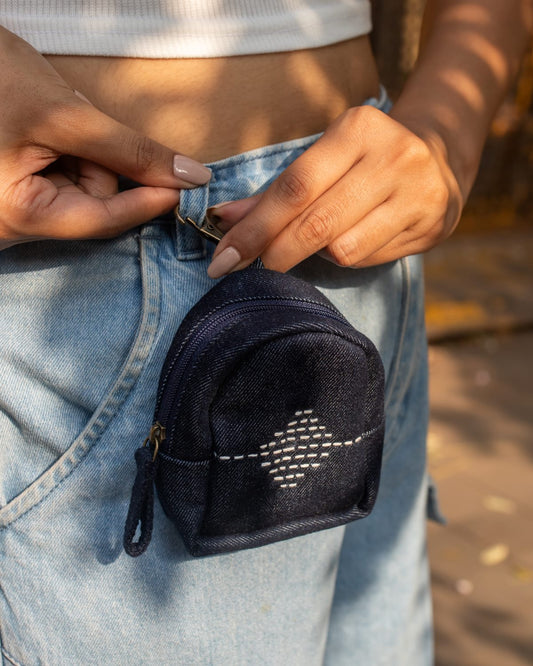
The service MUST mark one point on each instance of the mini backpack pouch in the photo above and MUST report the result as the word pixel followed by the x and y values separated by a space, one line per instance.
pixel 269 422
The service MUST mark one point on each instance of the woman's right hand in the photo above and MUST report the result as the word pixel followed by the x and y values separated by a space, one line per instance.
pixel 60 156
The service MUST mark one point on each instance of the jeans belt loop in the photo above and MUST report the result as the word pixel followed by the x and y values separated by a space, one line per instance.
pixel 193 204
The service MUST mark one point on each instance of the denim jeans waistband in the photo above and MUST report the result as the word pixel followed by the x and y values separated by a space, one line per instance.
pixel 237 177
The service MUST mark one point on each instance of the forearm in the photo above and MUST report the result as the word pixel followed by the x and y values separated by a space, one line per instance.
pixel 470 53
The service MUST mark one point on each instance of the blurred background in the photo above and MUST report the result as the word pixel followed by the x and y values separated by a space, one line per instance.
pixel 479 313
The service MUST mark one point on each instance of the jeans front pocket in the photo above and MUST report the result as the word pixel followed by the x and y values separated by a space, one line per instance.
pixel 77 321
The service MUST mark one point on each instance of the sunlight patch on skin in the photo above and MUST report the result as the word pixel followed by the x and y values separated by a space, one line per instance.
pixel 315 85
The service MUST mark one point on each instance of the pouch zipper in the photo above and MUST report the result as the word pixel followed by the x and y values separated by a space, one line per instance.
pixel 179 365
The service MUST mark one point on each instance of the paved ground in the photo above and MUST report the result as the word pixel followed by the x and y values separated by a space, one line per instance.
pixel 480 316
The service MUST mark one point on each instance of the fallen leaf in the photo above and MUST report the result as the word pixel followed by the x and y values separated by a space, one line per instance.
pixel 494 554
pixel 523 574
pixel 464 586
pixel 499 504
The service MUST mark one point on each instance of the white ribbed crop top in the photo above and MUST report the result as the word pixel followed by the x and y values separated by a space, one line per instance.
pixel 183 28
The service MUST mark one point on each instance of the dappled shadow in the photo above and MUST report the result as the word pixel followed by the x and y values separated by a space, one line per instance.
pixel 488 625
pixel 483 397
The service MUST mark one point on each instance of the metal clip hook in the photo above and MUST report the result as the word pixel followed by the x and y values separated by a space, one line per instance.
pixel 206 229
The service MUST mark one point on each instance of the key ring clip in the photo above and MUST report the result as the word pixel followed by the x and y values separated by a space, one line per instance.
pixel 207 229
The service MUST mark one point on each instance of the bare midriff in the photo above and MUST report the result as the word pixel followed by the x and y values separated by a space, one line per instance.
pixel 210 108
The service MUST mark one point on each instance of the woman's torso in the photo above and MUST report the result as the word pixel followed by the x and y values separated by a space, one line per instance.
pixel 209 108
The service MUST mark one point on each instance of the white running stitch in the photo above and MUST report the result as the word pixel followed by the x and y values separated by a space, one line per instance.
pixel 280 472
pixel 287 449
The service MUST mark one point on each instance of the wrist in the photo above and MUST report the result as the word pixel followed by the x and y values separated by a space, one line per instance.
pixel 439 127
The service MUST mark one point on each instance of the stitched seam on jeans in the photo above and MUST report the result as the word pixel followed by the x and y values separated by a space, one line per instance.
pixel 398 392
pixel 45 484
pixel 10 659
pixel 404 318
pixel 392 390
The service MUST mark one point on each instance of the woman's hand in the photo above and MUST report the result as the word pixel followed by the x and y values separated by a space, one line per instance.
pixel 375 188
pixel 59 157
pixel 367 192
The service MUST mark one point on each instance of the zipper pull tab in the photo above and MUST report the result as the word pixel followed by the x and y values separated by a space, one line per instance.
pixel 141 509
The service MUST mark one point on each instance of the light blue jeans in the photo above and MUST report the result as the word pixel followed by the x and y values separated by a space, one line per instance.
pixel 85 327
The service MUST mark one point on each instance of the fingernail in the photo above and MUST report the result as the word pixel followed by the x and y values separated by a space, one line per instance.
pixel 81 96
pixel 224 262
pixel 220 205
pixel 191 171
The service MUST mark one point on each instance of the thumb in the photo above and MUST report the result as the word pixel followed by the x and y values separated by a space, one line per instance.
pixel 93 135
pixel 226 215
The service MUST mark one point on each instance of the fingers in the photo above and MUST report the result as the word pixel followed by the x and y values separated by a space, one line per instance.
pixel 81 130
pixel 82 175
pixel 368 192
pixel 66 213
pixel 291 194
pixel 47 129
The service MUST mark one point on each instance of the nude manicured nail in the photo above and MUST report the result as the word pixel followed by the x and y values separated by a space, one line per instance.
pixel 220 205
pixel 224 262
pixel 191 171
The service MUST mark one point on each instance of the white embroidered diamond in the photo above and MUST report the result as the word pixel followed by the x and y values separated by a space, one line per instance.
pixel 303 456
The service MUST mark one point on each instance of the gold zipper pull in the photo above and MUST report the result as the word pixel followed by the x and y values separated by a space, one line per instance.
pixel 158 434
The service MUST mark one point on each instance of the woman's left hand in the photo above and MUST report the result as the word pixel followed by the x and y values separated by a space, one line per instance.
pixel 367 192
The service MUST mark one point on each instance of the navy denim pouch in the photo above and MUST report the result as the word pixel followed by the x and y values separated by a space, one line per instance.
pixel 269 422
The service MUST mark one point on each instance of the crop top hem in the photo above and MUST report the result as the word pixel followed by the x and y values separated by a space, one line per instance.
pixel 157 37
